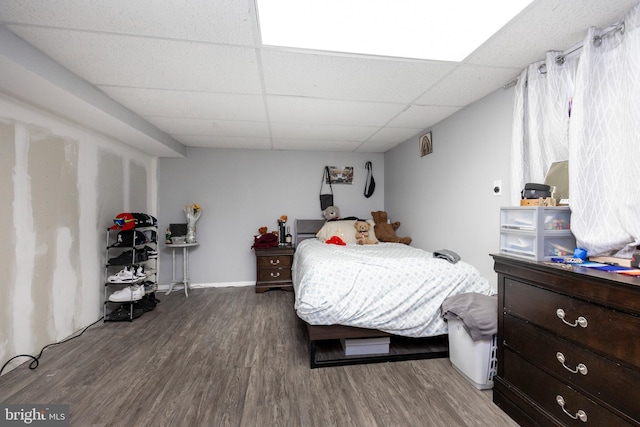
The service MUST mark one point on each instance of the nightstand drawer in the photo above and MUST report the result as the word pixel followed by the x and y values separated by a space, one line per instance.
pixel 274 275
pixel 274 261
pixel 602 329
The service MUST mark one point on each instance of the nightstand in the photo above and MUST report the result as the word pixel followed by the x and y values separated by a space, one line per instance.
pixel 274 268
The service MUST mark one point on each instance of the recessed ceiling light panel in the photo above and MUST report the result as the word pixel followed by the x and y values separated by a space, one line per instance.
pixel 447 30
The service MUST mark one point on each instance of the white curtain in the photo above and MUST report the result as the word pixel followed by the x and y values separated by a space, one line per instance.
pixel 541 120
pixel 601 138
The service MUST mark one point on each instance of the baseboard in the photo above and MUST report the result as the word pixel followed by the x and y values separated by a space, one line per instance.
pixel 165 287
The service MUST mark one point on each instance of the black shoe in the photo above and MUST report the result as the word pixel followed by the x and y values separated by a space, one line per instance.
pixel 124 258
pixel 141 255
pixel 151 253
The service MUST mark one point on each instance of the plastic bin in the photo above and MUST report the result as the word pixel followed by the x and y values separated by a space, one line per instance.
pixel 475 360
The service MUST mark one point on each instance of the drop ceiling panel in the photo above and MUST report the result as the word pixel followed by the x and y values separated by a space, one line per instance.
pixel 374 147
pixel 421 116
pixel 107 59
pixel 326 132
pixel 205 127
pixel 244 143
pixel 390 135
pixel 314 145
pixel 467 84
pixel 286 109
pixel 547 25
pixel 189 104
pixel 348 77
pixel 223 21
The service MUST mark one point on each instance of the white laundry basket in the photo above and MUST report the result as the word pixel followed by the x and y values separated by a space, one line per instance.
pixel 475 360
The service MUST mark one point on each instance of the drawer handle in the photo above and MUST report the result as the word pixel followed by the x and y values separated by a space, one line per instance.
pixel 581 320
pixel 276 274
pixel 580 415
pixel 582 368
pixel 274 261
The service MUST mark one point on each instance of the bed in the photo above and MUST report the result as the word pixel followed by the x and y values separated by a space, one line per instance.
pixel 370 291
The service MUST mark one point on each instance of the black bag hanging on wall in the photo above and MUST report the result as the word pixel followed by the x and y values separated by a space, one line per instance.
pixel 326 200
pixel 370 184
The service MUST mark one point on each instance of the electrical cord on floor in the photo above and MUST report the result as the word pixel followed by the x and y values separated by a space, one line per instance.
pixel 36 359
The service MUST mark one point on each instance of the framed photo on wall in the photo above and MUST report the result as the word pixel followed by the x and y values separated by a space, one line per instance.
pixel 341 175
pixel 426 144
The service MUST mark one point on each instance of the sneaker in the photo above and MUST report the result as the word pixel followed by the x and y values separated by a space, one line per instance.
pixel 130 293
pixel 141 255
pixel 125 312
pixel 139 272
pixel 151 253
pixel 148 285
pixel 124 258
pixel 123 276
pixel 119 314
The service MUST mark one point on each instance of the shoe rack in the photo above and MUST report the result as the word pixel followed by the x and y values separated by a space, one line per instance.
pixel 130 272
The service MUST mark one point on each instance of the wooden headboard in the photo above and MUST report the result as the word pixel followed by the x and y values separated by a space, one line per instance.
pixel 307 228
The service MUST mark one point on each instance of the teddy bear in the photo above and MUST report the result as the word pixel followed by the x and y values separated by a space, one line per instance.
pixel 362 233
pixel 331 213
pixel 386 232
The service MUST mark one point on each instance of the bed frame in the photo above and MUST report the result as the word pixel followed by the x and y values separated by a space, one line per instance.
pixel 325 348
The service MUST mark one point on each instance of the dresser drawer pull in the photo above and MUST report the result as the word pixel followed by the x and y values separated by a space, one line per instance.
pixel 274 261
pixel 582 368
pixel 581 320
pixel 276 274
pixel 580 415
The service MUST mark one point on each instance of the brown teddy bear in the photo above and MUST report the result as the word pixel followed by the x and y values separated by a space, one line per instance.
pixel 362 233
pixel 387 232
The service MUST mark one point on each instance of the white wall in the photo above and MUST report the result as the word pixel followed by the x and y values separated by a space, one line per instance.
pixel 242 190
pixel 62 185
pixel 445 199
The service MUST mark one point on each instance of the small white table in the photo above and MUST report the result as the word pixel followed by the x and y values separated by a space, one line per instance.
pixel 185 265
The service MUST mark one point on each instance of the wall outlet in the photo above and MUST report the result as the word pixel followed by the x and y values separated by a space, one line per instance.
pixel 497 188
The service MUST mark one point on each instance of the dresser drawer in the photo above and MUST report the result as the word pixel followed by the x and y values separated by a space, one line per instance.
pixel 599 377
pixel 274 275
pixel 556 397
pixel 272 261
pixel 604 330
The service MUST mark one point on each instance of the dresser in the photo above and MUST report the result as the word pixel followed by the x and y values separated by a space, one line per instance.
pixel 273 268
pixel 568 345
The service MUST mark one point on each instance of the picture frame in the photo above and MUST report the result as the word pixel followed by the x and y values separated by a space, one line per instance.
pixel 426 144
pixel 340 175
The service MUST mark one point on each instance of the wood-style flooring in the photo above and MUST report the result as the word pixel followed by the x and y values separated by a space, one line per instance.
pixel 231 357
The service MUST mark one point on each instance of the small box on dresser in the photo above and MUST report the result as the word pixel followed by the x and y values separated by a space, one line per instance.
pixel 273 268
pixel 568 345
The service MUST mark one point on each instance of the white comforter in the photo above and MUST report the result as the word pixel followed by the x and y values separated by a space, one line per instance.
pixel 389 286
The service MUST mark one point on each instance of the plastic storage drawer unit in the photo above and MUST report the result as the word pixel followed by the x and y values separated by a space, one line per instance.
pixel 538 233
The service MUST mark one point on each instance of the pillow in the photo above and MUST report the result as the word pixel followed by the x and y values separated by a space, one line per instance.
pixel 342 228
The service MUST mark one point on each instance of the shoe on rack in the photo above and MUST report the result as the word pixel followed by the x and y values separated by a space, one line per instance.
pixel 148 285
pixel 124 258
pixel 151 253
pixel 141 255
pixel 130 293
pixel 123 276
pixel 125 312
pixel 139 272
pixel 119 314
